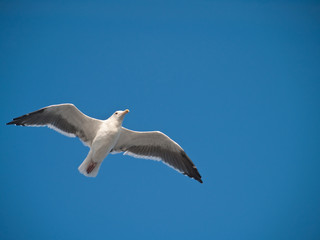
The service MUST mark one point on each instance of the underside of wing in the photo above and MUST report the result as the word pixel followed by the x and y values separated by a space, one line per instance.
pixel 157 146
pixel 64 118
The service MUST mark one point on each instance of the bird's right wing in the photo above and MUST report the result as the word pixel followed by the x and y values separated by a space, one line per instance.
pixel 64 118
pixel 157 146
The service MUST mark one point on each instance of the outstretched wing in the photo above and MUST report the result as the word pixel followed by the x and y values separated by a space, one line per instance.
pixel 157 146
pixel 64 118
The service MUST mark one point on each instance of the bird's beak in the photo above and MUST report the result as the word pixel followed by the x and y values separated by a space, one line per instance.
pixel 126 111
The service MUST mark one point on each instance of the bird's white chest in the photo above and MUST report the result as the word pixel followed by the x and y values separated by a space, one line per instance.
pixel 106 137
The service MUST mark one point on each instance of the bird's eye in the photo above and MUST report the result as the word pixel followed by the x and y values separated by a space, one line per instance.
pixel 116 113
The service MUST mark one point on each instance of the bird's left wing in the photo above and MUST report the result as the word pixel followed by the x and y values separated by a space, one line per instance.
pixel 157 146
pixel 64 118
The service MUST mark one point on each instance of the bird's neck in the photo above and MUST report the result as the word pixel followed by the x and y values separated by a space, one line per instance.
pixel 117 123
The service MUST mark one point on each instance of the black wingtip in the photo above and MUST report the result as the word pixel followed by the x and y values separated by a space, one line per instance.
pixel 20 121
pixel 15 122
pixel 192 170
pixel 198 179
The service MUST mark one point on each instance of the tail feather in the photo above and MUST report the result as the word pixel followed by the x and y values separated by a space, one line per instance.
pixel 89 168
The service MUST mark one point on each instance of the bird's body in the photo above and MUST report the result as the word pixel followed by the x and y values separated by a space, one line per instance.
pixel 105 140
pixel 105 136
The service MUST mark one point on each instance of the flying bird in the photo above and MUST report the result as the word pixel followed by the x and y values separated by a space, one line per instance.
pixel 108 136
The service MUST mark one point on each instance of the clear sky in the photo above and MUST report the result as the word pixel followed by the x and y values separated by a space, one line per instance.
pixel 236 84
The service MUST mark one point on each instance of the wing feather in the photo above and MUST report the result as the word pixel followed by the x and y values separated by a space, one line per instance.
pixel 65 119
pixel 157 146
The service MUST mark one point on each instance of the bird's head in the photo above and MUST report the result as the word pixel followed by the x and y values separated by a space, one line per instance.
pixel 120 114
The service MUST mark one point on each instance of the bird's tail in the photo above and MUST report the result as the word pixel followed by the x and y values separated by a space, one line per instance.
pixel 89 168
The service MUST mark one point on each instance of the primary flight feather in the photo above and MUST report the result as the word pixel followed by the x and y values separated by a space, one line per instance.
pixel 108 136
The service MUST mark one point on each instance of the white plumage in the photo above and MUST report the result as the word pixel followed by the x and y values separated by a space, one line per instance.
pixel 108 136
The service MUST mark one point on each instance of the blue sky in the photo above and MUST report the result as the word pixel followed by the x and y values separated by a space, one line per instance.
pixel 236 84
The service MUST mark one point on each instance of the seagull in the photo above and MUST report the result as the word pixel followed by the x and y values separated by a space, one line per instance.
pixel 108 136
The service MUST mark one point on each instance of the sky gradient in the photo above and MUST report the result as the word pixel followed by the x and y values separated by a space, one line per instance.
pixel 235 84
